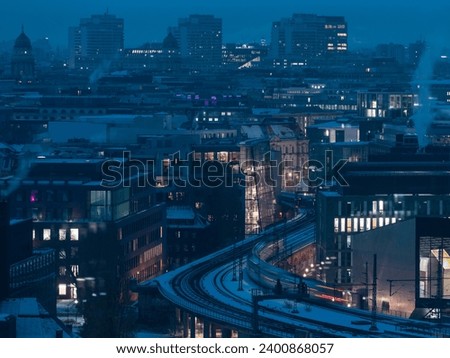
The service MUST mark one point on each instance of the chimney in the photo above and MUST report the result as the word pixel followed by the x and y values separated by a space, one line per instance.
pixel 4 249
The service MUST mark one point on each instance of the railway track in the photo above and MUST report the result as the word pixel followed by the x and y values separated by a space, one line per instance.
pixel 202 288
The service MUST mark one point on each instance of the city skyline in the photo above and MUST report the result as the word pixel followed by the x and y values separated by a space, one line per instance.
pixel 390 22
pixel 169 176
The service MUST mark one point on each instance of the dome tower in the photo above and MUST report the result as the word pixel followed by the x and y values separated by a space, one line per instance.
pixel 22 62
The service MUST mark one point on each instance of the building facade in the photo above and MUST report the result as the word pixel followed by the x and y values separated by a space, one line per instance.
pixel 308 38
pixel 95 40
pixel 103 233
pixel 375 195
pixel 199 38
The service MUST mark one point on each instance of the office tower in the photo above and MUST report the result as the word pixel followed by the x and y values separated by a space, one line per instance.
pixel 200 41
pixel 95 40
pixel 306 38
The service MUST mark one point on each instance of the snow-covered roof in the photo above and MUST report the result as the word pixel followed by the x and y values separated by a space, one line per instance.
pixel 252 132
pixel 282 131
pixel 32 320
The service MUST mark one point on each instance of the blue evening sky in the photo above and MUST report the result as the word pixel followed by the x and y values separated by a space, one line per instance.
pixel 370 22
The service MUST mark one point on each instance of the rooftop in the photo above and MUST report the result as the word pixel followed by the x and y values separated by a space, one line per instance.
pixel 32 320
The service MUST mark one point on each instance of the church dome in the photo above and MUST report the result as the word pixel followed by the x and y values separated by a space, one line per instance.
pixel 22 42
pixel 22 60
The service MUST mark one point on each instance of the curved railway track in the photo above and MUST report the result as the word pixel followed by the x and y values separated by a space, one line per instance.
pixel 201 289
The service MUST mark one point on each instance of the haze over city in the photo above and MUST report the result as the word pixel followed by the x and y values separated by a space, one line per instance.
pixel 248 21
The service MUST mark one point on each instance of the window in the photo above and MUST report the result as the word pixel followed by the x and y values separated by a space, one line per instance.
pixel 374 207
pixel 398 206
pixel 222 156
pixel 73 252
pixel 46 234
pixel 349 208
pixel 34 196
pixel 75 270
pixel 62 234
pixel 62 289
pixel 74 234
pixel 50 195
pixel 374 223
pixel 381 206
pixel 19 196
pixel 349 225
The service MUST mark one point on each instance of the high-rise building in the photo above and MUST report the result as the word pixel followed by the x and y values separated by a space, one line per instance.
pixel 305 38
pixel 96 39
pixel 199 38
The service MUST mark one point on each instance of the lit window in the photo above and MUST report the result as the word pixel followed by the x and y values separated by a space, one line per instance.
pixel 46 234
pixel 374 207
pixel 62 289
pixel 74 234
pixel 355 224
pixel 34 234
pixel 62 234
pixel 75 270
pixel 374 223
pixel 381 206
pixel 34 196
pixel 349 224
